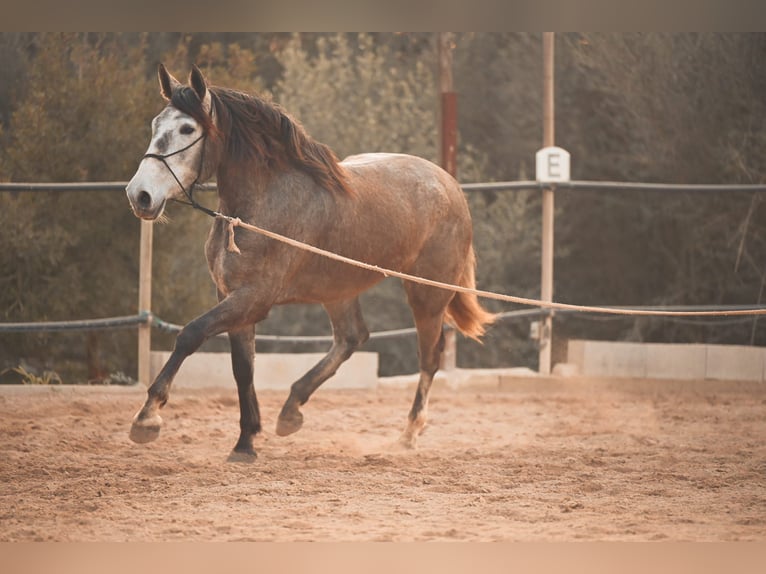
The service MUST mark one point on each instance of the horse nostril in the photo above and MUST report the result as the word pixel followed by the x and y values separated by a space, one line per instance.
pixel 144 199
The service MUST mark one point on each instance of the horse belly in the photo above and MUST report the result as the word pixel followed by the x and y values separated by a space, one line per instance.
pixel 327 281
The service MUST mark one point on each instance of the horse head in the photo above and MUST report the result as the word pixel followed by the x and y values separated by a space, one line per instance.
pixel 175 159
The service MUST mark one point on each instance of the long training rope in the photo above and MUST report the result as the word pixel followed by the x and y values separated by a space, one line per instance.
pixel 235 222
pixel 232 247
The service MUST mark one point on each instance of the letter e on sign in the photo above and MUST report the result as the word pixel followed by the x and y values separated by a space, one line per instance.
pixel 552 164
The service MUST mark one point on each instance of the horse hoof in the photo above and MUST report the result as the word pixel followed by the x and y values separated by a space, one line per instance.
pixel 145 430
pixel 288 423
pixel 407 441
pixel 243 451
pixel 248 457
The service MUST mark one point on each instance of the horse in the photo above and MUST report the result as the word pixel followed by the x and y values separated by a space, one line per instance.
pixel 391 210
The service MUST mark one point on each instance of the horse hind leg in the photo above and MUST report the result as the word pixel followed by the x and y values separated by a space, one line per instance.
pixel 428 308
pixel 349 333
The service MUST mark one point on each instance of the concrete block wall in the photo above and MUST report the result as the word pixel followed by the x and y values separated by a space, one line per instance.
pixel 667 360
pixel 272 370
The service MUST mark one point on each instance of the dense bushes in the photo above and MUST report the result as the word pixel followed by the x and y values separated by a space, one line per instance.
pixel 657 107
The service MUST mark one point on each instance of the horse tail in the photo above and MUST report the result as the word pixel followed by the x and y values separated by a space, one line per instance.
pixel 464 311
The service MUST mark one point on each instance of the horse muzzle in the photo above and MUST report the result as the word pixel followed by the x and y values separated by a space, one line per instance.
pixel 144 205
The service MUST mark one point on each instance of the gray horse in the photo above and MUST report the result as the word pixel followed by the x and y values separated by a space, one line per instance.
pixel 391 210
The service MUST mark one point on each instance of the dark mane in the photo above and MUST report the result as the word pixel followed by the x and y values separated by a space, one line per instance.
pixel 256 129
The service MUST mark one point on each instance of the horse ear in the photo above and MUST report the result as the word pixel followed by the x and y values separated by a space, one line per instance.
pixel 198 82
pixel 167 82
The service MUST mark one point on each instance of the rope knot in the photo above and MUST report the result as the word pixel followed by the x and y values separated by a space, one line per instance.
pixel 234 222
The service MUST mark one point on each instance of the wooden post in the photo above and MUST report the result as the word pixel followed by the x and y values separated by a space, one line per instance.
pixel 447 154
pixel 145 301
pixel 546 275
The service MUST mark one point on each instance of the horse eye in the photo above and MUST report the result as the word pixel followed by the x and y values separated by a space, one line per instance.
pixel 187 129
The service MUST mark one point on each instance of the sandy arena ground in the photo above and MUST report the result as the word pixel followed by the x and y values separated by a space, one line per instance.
pixel 543 460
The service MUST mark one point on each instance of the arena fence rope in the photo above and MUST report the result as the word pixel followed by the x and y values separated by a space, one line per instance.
pixel 543 307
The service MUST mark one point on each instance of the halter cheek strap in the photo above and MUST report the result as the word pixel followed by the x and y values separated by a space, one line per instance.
pixel 188 193
pixel 233 222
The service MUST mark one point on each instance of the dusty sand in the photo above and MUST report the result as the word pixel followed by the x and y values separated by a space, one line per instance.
pixel 547 460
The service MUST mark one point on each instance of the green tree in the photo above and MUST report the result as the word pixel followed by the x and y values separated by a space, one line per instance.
pixel 679 108
pixel 630 107
pixel 354 97
pixel 357 94
pixel 73 255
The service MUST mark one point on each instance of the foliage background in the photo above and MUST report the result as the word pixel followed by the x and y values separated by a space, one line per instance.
pixel 683 108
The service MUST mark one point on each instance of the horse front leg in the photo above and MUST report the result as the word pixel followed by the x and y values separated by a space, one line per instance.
pixel 242 356
pixel 234 312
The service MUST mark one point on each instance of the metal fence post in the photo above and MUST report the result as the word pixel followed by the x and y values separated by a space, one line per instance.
pixel 546 274
pixel 447 154
pixel 145 301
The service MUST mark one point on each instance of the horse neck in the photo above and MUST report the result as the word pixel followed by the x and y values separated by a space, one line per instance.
pixel 240 185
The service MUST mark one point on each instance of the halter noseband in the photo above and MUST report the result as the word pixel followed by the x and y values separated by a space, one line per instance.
pixel 188 193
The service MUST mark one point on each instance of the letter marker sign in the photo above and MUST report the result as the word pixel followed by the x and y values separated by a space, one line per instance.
pixel 552 164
